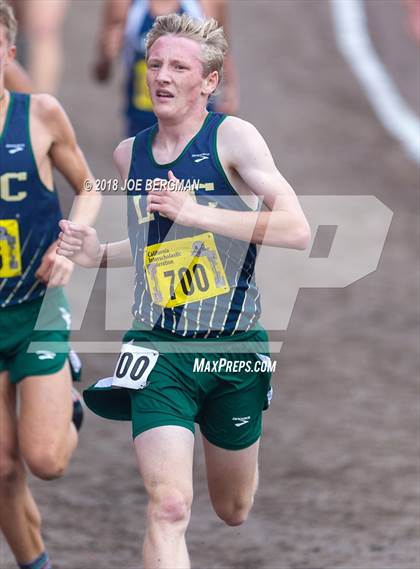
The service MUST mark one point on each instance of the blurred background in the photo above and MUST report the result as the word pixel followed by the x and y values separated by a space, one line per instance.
pixel 339 482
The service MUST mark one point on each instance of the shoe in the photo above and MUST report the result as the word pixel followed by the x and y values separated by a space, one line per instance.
pixel 78 412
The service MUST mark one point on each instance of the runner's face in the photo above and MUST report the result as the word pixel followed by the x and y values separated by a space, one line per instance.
pixel 175 77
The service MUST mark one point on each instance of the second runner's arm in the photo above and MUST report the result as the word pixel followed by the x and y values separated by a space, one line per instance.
pixel 80 243
pixel 65 155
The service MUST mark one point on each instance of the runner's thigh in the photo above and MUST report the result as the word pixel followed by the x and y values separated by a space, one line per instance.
pixel 8 427
pixel 45 410
pixel 165 458
pixel 231 474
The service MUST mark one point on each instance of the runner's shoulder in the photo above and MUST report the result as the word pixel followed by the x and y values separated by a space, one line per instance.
pixel 49 115
pixel 234 129
pixel 122 155
pixel 124 146
pixel 45 106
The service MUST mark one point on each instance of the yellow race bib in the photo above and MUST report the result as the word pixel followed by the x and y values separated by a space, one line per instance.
pixel 141 95
pixel 10 259
pixel 184 270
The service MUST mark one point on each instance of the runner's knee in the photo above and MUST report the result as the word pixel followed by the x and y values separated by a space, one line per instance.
pixel 46 463
pixel 234 512
pixel 169 506
pixel 10 471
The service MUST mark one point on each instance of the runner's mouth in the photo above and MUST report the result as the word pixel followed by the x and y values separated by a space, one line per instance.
pixel 162 94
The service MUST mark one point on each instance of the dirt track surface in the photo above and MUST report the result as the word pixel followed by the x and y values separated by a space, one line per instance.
pixel 339 462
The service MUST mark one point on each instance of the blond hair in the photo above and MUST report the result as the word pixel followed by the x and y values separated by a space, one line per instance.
pixel 8 21
pixel 208 33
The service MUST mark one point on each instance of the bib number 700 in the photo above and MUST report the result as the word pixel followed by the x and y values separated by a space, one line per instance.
pixel 189 279
pixel 134 366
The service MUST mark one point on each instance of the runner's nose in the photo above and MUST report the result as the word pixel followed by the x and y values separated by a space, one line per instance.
pixel 163 75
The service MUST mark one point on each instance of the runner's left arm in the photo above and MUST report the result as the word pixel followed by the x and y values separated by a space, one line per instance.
pixel 283 225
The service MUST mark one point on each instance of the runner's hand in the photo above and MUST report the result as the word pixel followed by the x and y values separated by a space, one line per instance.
pixel 108 51
pixel 102 69
pixel 177 205
pixel 79 243
pixel 54 271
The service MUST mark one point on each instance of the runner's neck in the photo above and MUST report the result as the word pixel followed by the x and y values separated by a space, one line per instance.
pixel 170 136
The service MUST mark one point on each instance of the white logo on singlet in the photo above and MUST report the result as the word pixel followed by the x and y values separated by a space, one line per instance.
pixel 13 148
pixel 201 157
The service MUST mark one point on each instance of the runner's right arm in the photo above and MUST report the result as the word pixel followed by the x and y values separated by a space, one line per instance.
pixel 80 244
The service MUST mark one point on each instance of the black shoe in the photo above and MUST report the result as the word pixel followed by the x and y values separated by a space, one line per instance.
pixel 77 408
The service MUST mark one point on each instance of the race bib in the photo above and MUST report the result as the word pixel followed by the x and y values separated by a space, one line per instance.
pixel 184 270
pixel 10 257
pixel 134 366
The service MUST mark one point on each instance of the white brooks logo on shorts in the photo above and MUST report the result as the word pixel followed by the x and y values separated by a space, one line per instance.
pixel 45 355
pixel 242 421
pixel 201 157
pixel 13 148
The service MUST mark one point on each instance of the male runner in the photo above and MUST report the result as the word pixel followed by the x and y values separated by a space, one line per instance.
pixel 35 135
pixel 195 296
pixel 125 26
